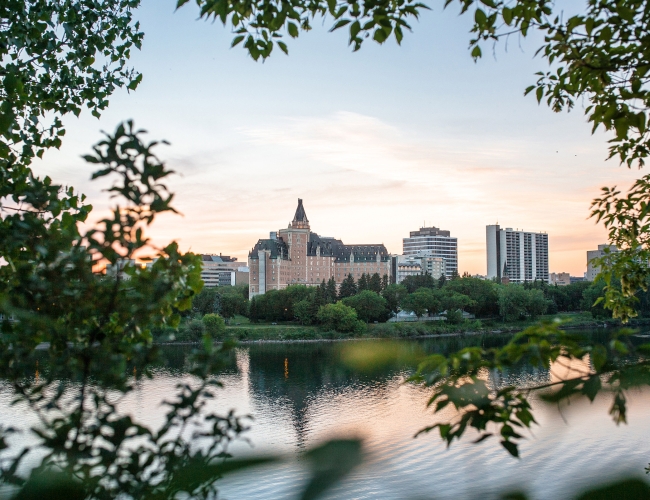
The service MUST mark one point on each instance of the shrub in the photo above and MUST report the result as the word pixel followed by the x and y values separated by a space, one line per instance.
pixel 214 325
pixel 341 318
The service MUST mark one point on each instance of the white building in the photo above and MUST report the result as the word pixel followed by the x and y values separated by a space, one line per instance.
pixel 411 265
pixel 517 256
pixel 434 242
pixel 592 268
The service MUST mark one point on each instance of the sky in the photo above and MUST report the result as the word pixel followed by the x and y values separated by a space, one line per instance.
pixel 377 142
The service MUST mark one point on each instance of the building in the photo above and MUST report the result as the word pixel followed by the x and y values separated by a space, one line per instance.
pixel 410 265
pixel 295 255
pixel 560 279
pixel 592 268
pixel 222 270
pixel 436 243
pixel 516 256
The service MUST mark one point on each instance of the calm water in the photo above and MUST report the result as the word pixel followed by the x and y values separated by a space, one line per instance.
pixel 301 394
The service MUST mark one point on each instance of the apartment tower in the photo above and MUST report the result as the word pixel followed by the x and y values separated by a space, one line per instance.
pixel 517 256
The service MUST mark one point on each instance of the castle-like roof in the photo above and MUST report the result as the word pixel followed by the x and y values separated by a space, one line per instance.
pixel 300 216
pixel 277 247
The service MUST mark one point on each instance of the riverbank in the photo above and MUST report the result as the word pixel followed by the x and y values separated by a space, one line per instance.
pixel 250 333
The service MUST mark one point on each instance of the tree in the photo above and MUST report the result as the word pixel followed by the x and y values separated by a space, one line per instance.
pixel 374 283
pixel 482 292
pixel 303 310
pixel 215 326
pixel 340 317
pixel 348 287
pixel 331 295
pixel 442 281
pixel 369 305
pixel 232 304
pixel 417 281
pixel 420 302
pixel 363 283
pixel 385 282
pixel 205 302
pixel 394 294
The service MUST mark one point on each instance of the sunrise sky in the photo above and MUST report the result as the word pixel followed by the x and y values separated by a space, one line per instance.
pixel 376 142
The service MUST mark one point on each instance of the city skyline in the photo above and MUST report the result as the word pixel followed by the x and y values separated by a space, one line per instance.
pixel 378 141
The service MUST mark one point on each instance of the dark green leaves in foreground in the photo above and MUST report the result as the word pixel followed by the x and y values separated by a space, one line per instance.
pixel 260 25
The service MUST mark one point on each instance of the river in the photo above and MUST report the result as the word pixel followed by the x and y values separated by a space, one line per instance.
pixel 301 394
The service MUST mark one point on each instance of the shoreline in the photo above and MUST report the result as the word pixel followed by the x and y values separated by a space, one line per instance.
pixel 507 331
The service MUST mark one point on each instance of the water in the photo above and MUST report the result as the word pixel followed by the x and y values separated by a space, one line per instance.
pixel 302 394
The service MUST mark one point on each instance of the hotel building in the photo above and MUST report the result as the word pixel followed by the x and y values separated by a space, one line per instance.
pixel 295 255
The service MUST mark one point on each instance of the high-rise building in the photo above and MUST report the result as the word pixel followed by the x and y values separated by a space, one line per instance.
pixel 295 255
pixel 592 268
pixel 517 256
pixel 435 243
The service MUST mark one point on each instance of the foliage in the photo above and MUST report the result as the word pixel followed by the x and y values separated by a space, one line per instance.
pixel 262 25
pixel 482 292
pixel 348 287
pixel 214 325
pixel 461 380
pixel 515 302
pixel 415 282
pixel 369 305
pixel 340 317
pixel 96 329
pixel 394 294
pixel 420 302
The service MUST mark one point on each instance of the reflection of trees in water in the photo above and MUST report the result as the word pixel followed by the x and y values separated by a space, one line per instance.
pixel 290 377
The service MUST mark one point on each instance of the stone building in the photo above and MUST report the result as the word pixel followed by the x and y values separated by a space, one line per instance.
pixel 295 255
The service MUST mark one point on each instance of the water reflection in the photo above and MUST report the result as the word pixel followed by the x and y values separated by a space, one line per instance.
pixel 300 394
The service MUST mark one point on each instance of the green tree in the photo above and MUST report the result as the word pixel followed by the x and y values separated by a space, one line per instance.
pixel 331 295
pixel 394 294
pixel 214 325
pixel 374 283
pixel 206 302
pixel 363 283
pixel 232 304
pixel 348 287
pixel 513 300
pixel 482 292
pixel 442 281
pixel 304 311
pixel 340 317
pixel 369 305
pixel 385 282
pixel 421 302
pixel 417 281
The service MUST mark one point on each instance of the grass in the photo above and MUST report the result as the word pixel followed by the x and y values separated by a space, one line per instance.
pixel 240 328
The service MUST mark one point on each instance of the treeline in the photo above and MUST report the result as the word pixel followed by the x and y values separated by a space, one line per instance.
pixel 352 305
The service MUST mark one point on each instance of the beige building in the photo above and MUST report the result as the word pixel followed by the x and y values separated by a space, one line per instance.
pixel 560 279
pixel 411 265
pixel 222 270
pixel 295 255
pixel 592 268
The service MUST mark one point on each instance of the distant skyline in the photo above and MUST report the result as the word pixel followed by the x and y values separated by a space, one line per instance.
pixel 375 142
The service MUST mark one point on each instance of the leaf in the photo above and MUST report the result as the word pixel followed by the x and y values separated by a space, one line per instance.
pixel 237 40
pixel 511 447
pixel 476 52
pixel 339 24
pixel 330 463
pixel 293 30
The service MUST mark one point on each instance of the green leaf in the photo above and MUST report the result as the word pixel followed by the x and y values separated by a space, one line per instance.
pixel 340 24
pixel 511 448
pixel 293 30
pixel 330 463
pixel 237 40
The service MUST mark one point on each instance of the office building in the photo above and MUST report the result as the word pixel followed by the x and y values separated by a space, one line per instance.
pixel 516 256
pixel 295 255
pixel 592 268
pixel 222 270
pixel 434 242
pixel 560 279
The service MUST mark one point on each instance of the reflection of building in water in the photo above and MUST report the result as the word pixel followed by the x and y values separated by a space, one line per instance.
pixel 293 377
